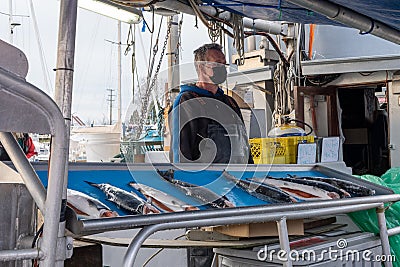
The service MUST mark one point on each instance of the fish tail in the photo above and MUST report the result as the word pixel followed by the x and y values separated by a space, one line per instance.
pixel 229 176
pixel 134 185
pixel 92 184
pixel 167 175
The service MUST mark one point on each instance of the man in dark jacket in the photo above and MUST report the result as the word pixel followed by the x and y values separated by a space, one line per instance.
pixel 207 125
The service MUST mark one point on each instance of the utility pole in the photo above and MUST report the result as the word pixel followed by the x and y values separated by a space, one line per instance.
pixel 111 100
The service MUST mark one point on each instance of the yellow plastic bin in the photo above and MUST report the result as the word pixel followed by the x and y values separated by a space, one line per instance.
pixel 279 150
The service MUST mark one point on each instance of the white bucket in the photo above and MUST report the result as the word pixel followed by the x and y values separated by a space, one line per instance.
pixel 101 143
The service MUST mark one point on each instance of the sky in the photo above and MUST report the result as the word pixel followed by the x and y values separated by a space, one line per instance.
pixel 95 56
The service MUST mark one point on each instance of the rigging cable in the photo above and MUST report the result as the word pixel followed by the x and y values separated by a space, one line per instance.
pixel 199 14
pixel 42 57
pixel 153 53
pixel 130 42
pixel 144 109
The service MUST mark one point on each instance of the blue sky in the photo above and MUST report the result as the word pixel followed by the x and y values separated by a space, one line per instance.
pixel 95 58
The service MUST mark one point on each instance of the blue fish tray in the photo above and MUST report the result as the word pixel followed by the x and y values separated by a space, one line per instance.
pixel 120 175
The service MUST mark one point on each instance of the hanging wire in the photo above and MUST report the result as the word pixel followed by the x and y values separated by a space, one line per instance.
pixel 130 45
pixel 179 43
pixel 147 25
pixel 199 14
pixel 153 53
pixel 158 252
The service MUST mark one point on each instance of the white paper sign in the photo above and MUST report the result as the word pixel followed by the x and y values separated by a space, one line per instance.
pixel 306 153
pixel 330 149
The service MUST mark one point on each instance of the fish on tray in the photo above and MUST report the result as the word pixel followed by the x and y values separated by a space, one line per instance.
pixel 125 200
pixel 262 191
pixel 350 187
pixel 86 205
pixel 204 195
pixel 336 191
pixel 162 200
pixel 300 191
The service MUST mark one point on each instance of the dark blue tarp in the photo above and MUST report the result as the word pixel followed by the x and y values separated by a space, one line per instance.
pixel 386 11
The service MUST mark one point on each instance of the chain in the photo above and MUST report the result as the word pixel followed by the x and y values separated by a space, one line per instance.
pixel 161 57
pixel 153 82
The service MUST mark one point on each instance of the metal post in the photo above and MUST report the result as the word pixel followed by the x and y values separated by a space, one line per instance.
pixel 25 169
pixel 383 233
pixel 284 240
pixel 63 98
pixel 173 58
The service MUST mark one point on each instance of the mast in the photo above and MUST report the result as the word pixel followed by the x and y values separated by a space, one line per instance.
pixel 10 21
pixel 119 73
pixel 63 98
pixel 173 58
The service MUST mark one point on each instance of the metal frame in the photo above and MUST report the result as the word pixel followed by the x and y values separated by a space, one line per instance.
pixel 15 90
pixel 280 213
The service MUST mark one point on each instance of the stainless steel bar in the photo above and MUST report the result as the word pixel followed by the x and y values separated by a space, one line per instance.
pixel 19 88
pixel 20 254
pixel 133 249
pixel 131 253
pixel 128 222
pixel 393 231
pixel 380 212
pixel 25 169
pixel 284 240
pixel 54 225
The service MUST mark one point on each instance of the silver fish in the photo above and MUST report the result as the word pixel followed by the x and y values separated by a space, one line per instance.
pixel 128 201
pixel 262 191
pixel 300 191
pixel 161 199
pixel 323 185
pixel 88 206
pixel 350 187
pixel 206 196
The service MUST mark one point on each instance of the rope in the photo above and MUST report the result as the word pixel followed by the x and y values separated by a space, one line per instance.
pixel 238 33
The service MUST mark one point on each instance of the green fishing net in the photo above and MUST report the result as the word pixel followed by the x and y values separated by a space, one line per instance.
pixel 367 220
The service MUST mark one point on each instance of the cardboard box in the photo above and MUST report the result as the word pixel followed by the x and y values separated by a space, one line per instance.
pixel 295 227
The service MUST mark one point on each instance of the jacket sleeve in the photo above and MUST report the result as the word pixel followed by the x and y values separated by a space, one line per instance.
pixel 31 148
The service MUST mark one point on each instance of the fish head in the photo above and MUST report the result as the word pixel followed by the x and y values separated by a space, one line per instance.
pixel 148 209
pixel 108 213
pixel 333 195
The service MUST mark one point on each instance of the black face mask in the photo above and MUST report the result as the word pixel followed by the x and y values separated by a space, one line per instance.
pixel 219 74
